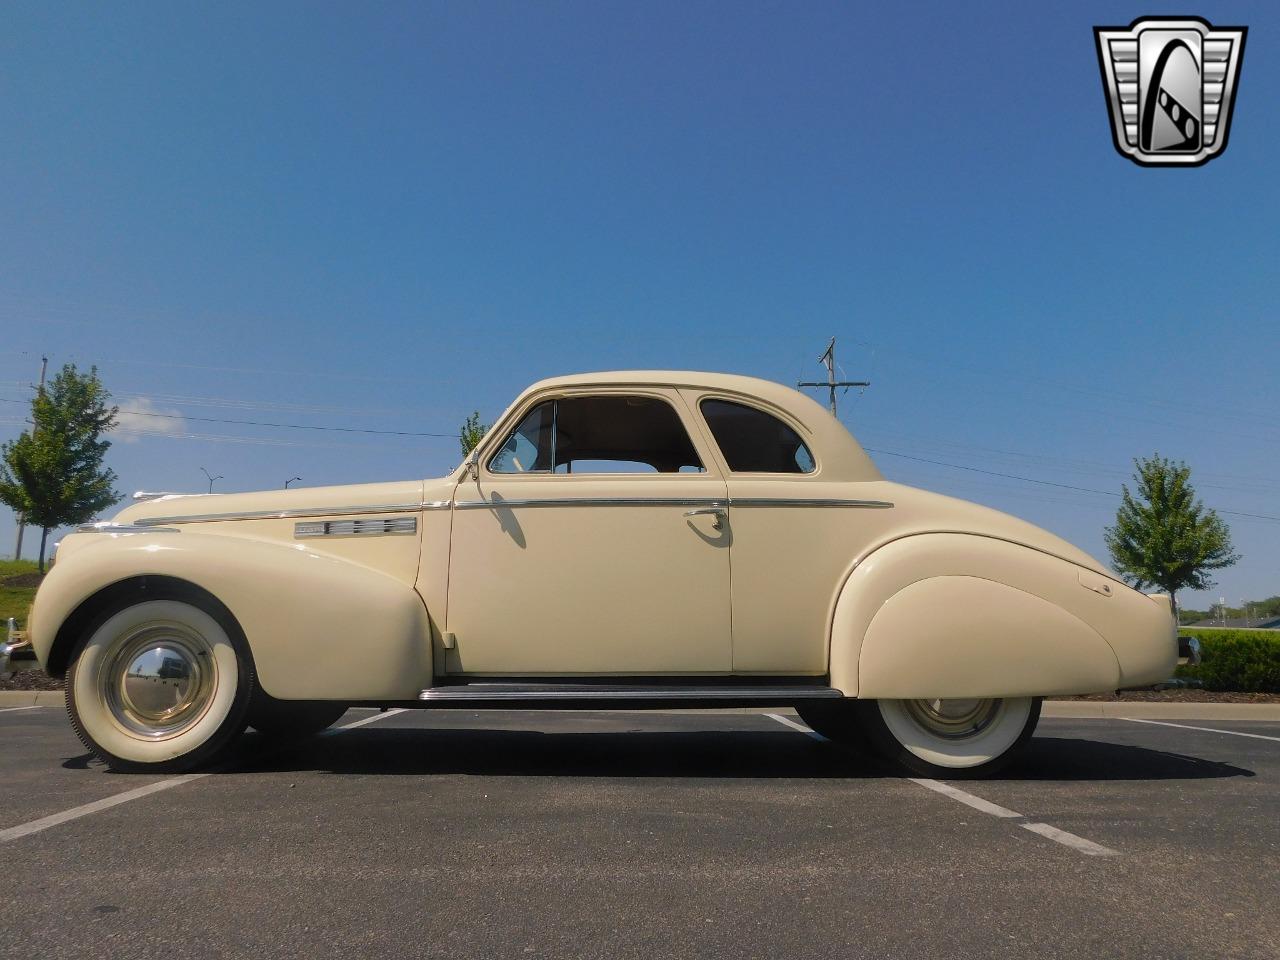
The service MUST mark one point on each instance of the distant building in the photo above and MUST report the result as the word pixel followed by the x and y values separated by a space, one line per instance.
pixel 1239 623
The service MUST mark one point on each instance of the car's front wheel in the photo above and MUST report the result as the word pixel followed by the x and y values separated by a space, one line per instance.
pixel 160 685
pixel 949 737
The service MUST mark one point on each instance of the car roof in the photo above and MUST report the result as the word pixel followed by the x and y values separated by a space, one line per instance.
pixel 668 378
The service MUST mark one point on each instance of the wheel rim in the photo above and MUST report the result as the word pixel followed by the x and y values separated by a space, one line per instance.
pixel 159 679
pixel 954 719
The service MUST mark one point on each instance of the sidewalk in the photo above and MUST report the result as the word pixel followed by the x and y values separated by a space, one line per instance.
pixel 1064 709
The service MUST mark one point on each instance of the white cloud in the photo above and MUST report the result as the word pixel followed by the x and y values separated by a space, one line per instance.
pixel 139 417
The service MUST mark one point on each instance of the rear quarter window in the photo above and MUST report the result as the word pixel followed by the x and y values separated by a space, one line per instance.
pixel 753 441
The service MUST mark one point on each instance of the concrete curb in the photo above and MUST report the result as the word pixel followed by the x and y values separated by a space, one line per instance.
pixel 1060 709
pixel 1107 709
pixel 30 698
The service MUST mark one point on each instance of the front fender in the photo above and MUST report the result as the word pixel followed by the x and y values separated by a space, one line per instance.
pixel 320 627
pixel 963 615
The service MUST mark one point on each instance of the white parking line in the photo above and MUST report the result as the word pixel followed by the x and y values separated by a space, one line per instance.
pixel 374 719
pixel 797 726
pixel 75 813
pixel 38 706
pixel 44 823
pixel 968 799
pixel 1187 726
pixel 1087 847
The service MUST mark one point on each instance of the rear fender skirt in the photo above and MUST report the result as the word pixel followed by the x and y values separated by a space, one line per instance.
pixel 953 614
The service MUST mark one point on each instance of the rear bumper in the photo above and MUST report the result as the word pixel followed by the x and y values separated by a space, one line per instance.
pixel 1145 639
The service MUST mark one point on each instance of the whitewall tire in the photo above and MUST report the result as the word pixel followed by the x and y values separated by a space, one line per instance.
pixel 950 737
pixel 160 685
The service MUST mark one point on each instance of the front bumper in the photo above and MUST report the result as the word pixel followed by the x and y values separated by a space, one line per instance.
pixel 14 642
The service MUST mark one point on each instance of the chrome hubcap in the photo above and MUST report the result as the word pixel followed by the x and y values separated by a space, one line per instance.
pixel 159 680
pixel 954 719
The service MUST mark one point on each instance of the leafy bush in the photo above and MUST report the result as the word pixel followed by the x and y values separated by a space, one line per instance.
pixel 1247 661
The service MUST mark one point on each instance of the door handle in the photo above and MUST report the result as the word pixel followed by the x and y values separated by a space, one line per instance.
pixel 717 512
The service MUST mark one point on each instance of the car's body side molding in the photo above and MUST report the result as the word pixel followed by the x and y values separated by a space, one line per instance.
pixel 320 627
pixel 961 615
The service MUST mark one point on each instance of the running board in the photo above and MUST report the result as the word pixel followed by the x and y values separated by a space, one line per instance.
pixel 478 694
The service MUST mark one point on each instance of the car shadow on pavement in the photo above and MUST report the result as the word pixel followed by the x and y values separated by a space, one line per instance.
pixel 534 753
pixel 1073 759
pixel 684 754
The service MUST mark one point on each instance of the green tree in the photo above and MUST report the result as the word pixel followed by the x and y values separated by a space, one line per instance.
pixel 52 474
pixel 1163 536
pixel 472 433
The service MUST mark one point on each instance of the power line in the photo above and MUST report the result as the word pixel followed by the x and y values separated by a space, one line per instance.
pixel 250 405
pixel 1046 483
pixel 452 436
pixel 291 426
pixel 282 426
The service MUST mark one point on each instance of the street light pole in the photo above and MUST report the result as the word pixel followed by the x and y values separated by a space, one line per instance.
pixel 211 478
pixel 22 521
pixel 289 481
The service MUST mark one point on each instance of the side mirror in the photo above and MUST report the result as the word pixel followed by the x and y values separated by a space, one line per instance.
pixel 473 468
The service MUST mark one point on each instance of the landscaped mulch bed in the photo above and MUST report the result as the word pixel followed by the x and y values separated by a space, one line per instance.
pixel 22 580
pixel 31 680
pixel 1181 696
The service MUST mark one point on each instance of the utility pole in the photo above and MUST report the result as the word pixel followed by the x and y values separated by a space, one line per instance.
pixel 211 478
pixel 22 526
pixel 829 359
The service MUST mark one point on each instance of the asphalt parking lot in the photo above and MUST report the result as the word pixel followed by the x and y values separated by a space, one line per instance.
pixel 727 834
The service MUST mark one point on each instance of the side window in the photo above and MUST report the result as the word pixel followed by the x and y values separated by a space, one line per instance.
pixel 609 434
pixel 753 441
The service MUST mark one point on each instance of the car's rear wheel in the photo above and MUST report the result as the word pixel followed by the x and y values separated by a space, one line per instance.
pixel 160 685
pixel 286 720
pixel 949 737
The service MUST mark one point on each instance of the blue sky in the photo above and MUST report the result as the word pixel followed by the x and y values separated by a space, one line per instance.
pixel 382 216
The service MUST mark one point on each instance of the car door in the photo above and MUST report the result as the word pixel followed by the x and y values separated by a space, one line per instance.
pixel 591 539
pixel 795 533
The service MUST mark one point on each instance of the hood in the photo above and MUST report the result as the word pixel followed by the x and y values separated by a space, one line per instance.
pixel 406 494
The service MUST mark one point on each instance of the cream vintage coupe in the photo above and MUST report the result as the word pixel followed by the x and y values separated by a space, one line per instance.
pixel 616 540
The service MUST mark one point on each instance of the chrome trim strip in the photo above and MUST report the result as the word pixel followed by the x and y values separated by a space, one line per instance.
pixel 490 504
pixel 595 502
pixel 803 502
pixel 671 502
pixel 284 514
pixel 354 528
pixel 772 694
pixel 106 526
